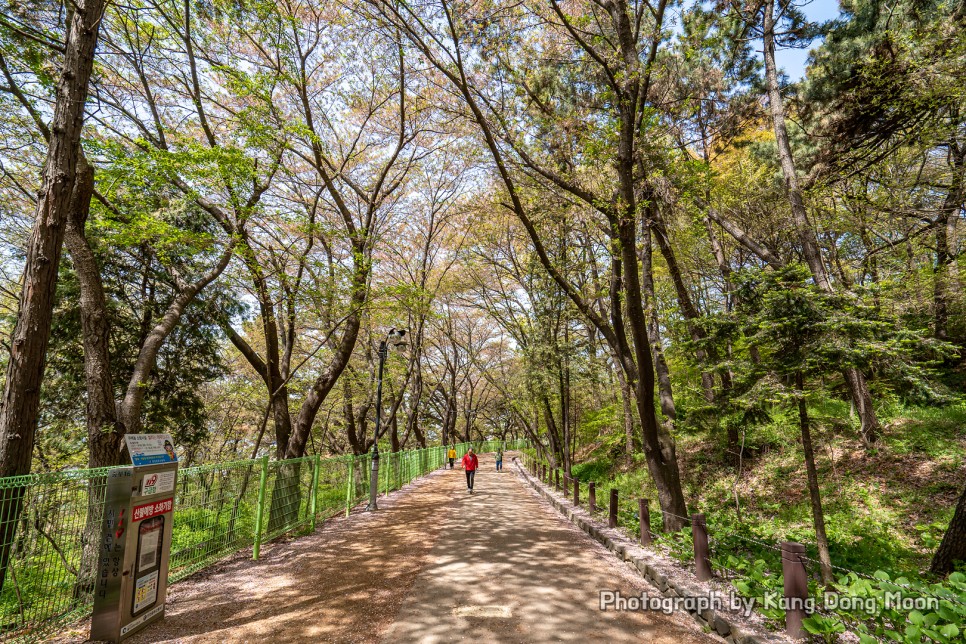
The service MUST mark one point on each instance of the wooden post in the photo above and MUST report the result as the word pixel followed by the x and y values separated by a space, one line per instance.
pixel 566 483
pixel 556 478
pixel 591 497
pixel 612 514
pixel 699 531
pixel 576 492
pixel 796 587
pixel 645 515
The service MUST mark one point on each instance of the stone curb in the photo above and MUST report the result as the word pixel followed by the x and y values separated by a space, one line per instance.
pixel 721 624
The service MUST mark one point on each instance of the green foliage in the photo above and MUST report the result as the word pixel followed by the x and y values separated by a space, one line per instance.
pixel 942 621
pixel 591 470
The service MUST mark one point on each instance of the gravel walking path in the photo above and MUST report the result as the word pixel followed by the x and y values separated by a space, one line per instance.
pixel 435 564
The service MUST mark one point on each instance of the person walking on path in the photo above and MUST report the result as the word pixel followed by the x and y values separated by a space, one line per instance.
pixel 451 456
pixel 470 463
pixel 499 460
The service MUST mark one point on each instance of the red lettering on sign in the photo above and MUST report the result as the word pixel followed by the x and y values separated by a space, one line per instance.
pixel 149 510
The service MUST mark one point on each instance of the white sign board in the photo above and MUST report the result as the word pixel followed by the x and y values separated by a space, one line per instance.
pixel 157 483
pixel 151 449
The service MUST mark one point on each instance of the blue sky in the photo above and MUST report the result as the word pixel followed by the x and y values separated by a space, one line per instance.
pixel 793 60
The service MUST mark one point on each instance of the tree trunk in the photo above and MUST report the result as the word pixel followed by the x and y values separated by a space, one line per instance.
pixel 104 432
pixel 665 393
pixel 394 434
pixel 658 444
pixel 951 207
pixel 636 361
pixel 626 397
pixel 31 334
pixel 686 304
pixel 803 227
pixel 858 387
pixel 28 346
pixel 321 388
pixel 734 449
pixel 814 493
pixel 953 546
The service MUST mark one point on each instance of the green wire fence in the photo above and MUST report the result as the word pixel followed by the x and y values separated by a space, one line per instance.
pixel 48 550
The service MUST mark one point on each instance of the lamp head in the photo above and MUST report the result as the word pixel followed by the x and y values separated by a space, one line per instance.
pixel 398 335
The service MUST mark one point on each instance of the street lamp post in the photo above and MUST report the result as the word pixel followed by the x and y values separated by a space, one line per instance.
pixel 397 335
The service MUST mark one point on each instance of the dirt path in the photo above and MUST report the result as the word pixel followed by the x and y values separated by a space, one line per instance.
pixel 435 564
pixel 507 568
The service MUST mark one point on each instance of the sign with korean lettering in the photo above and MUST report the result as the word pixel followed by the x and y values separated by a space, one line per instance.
pixel 157 483
pixel 148 510
pixel 151 449
pixel 135 545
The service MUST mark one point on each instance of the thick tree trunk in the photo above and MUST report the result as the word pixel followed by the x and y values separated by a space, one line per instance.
pixel 862 400
pixel 412 421
pixel 394 434
pixel 953 546
pixel 31 334
pixel 665 393
pixel 104 432
pixel 28 346
pixel 323 385
pixel 552 433
pixel 803 227
pixel 814 493
pixel 356 443
pixel 858 387
pixel 659 446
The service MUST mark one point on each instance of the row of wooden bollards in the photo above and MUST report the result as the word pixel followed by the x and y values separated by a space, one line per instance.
pixel 792 553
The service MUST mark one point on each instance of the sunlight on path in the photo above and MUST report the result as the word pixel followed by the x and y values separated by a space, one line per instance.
pixel 507 568
pixel 435 564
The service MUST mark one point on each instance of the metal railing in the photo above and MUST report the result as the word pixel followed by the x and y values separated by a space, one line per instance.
pixel 48 561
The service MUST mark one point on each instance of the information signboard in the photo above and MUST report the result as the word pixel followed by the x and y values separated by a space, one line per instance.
pixel 150 449
pixel 135 546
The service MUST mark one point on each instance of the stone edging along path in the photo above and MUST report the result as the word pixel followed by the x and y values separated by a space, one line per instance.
pixel 669 580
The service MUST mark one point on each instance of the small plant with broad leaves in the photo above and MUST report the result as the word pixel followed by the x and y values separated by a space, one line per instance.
pixel 896 617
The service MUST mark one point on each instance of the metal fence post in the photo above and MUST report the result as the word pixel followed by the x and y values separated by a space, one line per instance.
pixel 699 531
pixel 644 513
pixel 612 514
pixel 385 477
pixel 796 587
pixel 314 499
pixel 259 515
pixel 348 486
pixel 591 497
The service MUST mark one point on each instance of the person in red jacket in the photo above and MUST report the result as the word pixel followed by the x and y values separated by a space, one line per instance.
pixel 470 463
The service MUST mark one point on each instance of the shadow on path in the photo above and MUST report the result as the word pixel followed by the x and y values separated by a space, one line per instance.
pixel 507 568
pixel 435 564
